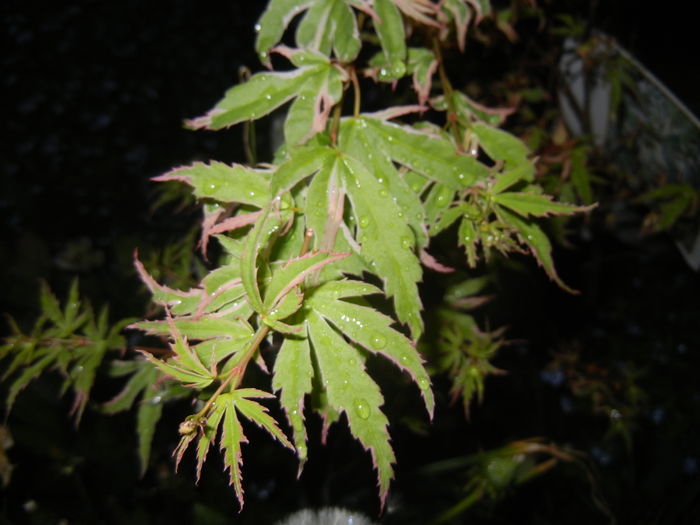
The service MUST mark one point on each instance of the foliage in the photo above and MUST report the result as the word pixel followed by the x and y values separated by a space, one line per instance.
pixel 323 249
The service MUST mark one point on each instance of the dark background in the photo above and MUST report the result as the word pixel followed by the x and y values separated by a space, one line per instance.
pixel 94 96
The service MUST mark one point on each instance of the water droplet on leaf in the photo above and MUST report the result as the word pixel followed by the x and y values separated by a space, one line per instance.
pixel 378 341
pixel 364 221
pixel 406 242
pixel 257 28
pixel 361 408
pixel 383 193
pixel 423 383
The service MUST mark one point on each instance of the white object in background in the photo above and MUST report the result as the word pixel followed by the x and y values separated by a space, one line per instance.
pixel 326 516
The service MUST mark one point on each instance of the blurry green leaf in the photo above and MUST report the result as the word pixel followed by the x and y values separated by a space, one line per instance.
pixel 501 145
pixel 392 37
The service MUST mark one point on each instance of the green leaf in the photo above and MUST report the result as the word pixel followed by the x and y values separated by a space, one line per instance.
pixel 208 434
pixel 422 65
pixel 149 413
pixel 309 112
pixel 428 154
pixel 531 235
pixel 179 302
pixel 392 37
pixel 186 365
pixel 235 183
pixel 303 163
pixel 367 146
pixel 201 328
pixel 256 240
pixel 257 97
pixel 527 204
pixel 522 172
pixel 273 22
pixel 232 436
pixel 501 145
pixel 293 372
pixel 387 244
pixel 330 24
pixel 371 329
pixel 316 84
pixel 257 413
pixel 350 389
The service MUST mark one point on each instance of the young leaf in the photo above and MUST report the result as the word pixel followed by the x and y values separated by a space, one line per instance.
pixel 232 436
pixel 186 366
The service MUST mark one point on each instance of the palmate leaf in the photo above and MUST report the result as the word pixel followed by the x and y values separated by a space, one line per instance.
pixel 316 85
pixel 347 386
pixel 224 414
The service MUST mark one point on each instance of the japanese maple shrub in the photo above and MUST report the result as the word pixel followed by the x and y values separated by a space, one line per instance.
pixel 346 210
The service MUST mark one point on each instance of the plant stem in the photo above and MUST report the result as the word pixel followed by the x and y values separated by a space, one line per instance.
pixel 356 93
pixel 449 93
pixel 236 372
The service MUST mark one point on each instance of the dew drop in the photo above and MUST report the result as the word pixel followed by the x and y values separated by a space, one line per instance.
pixel 529 237
pixel 400 214
pixel 467 238
pixel 383 193
pixel 212 187
pixel 419 216
pixel 406 242
pixel 390 138
pixel 460 176
pixel 361 407
pixel 252 194
pixel 415 187
pixel 303 97
pixel 301 449
pixel 383 72
pixel 404 358
pixel 263 54
pixel 345 381
pixel 364 221
pixel 423 383
pixel 257 28
pixel 295 412
pixel 268 96
pixel 378 341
